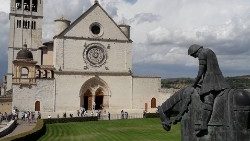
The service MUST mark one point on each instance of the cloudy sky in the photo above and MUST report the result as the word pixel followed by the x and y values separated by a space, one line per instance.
pixel 162 31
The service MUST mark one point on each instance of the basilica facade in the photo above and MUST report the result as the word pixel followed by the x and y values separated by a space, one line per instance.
pixel 87 64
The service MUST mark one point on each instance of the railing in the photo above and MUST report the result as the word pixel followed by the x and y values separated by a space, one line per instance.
pixel 23 80
pixel 120 116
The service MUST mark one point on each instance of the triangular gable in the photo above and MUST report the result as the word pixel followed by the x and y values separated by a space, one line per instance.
pixel 82 24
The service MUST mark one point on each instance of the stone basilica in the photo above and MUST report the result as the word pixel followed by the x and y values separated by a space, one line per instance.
pixel 87 64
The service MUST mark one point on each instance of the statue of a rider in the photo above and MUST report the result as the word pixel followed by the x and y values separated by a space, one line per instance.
pixel 209 79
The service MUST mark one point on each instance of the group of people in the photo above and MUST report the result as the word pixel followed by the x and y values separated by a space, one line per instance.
pixel 29 116
pixel 124 115
pixel 5 117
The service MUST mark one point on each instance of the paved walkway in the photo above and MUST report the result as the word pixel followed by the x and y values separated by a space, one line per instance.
pixel 22 127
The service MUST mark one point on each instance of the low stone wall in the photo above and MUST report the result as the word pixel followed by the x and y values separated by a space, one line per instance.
pixel 8 128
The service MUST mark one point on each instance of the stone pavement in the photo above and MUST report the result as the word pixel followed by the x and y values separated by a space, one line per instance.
pixel 22 126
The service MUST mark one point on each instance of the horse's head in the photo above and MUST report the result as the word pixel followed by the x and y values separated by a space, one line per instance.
pixel 175 107
pixel 165 121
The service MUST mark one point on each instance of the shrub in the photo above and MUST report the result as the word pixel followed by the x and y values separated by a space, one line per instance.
pixel 74 119
pixel 152 115
pixel 35 134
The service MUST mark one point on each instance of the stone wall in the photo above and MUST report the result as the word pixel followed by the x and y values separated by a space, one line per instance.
pixel 24 97
pixel 144 90
pixel 6 106
pixel 68 92
pixel 69 56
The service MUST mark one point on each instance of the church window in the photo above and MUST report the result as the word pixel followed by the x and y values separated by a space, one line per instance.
pixel 18 4
pixel 24 72
pixel 33 25
pixel 37 106
pixel 34 5
pixel 26 5
pixel 153 103
pixel 28 24
pixel 25 24
pixel 19 23
pixel 95 28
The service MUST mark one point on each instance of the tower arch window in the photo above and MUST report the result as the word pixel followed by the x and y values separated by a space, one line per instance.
pixel 24 72
pixel 18 4
pixel 153 103
pixel 26 5
pixel 34 5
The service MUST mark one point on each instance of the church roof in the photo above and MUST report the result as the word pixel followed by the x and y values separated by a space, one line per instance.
pixel 84 15
pixel 24 54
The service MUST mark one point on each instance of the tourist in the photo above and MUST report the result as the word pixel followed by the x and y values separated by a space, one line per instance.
pixel 39 115
pixel 126 115
pixel 6 116
pixel 1 117
pixel 23 116
pixel 109 115
pixel 122 114
pixel 99 114
pixel 78 113
pixel 49 116
pixel 144 114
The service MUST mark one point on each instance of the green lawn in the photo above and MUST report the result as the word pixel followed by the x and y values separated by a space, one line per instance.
pixel 118 130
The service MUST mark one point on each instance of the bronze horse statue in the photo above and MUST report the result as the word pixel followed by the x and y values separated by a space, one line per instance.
pixel 230 119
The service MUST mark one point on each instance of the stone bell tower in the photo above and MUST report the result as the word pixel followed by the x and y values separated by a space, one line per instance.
pixel 26 18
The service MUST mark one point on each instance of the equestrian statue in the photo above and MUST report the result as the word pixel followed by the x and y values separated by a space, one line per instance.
pixel 209 110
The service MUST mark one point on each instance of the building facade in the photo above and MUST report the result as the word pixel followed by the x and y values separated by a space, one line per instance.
pixel 88 64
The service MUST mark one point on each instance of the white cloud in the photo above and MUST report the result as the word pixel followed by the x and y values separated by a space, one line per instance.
pixel 162 30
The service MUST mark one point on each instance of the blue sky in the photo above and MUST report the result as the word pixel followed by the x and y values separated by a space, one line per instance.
pixel 162 31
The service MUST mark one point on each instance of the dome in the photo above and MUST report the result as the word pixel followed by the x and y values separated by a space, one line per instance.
pixel 24 54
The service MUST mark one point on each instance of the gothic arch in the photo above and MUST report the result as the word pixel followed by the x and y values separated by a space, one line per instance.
pixel 98 94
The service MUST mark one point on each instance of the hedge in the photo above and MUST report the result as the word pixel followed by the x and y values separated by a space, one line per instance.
pixel 152 115
pixel 40 128
pixel 74 119
pixel 35 134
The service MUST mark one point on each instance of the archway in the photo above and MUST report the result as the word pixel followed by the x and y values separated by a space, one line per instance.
pixel 37 106
pixel 99 95
pixel 87 100
pixel 94 94
pixel 153 103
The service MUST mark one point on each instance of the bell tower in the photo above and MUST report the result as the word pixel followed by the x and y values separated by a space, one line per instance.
pixel 26 20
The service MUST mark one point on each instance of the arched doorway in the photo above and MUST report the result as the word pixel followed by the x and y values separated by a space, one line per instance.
pixel 153 103
pixel 99 95
pixel 37 106
pixel 94 94
pixel 87 100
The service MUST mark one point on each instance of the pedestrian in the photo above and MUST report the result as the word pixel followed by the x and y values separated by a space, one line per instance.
pixel 78 113
pixel 39 115
pixel 6 116
pixel 109 115
pixel 122 114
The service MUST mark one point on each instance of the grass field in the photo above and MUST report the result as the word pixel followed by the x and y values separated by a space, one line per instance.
pixel 118 130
